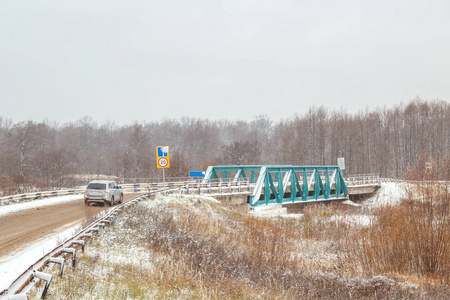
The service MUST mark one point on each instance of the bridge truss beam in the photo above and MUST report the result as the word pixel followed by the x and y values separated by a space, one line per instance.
pixel 284 184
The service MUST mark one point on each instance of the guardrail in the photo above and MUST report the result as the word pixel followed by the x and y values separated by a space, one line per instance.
pixel 39 195
pixel 128 188
pixel 363 179
pixel 23 284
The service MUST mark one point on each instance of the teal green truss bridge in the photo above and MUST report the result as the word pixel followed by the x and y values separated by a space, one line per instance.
pixel 283 184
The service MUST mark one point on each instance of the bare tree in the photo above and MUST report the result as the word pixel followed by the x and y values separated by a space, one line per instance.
pixel 52 165
pixel 23 140
pixel 241 153
pixel 138 144
pixel 179 166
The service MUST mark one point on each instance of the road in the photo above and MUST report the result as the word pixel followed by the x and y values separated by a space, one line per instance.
pixel 21 228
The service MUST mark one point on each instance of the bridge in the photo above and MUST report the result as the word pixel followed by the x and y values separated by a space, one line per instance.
pixel 282 184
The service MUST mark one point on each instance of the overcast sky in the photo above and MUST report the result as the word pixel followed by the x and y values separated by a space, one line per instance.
pixel 149 60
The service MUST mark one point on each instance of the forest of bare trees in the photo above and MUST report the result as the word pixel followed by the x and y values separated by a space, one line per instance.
pixel 384 140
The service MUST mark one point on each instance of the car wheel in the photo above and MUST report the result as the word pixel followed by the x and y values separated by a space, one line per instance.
pixel 111 203
pixel 120 199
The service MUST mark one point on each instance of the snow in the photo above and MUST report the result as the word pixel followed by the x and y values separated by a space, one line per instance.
pixel 390 193
pixel 130 253
pixel 272 210
pixel 351 203
pixel 181 199
pixel 12 266
pixel 7 209
pixel 360 220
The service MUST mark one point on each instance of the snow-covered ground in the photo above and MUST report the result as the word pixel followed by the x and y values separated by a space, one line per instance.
pixel 390 193
pixel 13 266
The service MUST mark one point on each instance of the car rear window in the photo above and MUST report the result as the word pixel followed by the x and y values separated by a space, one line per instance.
pixel 96 186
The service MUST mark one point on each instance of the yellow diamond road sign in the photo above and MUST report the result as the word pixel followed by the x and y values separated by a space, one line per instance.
pixel 162 157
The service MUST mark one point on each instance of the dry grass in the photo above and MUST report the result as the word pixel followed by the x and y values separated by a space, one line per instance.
pixel 411 239
pixel 194 248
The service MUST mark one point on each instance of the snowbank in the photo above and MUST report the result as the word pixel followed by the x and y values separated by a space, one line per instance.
pixel 7 209
pixel 271 210
pixel 390 193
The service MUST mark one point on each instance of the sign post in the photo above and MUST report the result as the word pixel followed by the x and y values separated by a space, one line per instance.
pixel 162 159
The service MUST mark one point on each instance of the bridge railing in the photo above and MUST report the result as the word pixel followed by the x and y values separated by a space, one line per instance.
pixel 363 179
pixel 217 187
pixel 126 181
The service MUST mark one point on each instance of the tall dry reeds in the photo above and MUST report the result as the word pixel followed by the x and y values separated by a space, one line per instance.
pixel 412 238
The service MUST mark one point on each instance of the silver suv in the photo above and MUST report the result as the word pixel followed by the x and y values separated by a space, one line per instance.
pixel 103 191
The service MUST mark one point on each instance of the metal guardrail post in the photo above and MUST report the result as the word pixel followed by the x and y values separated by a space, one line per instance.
pixel 46 277
pixel 73 252
pixel 58 260
pixel 81 243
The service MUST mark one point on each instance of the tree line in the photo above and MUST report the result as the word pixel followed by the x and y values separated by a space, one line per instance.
pixel 388 141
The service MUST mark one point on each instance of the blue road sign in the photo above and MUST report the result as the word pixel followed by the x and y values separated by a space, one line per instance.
pixel 163 151
pixel 196 174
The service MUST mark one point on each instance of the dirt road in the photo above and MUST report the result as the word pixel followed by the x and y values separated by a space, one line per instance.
pixel 19 229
